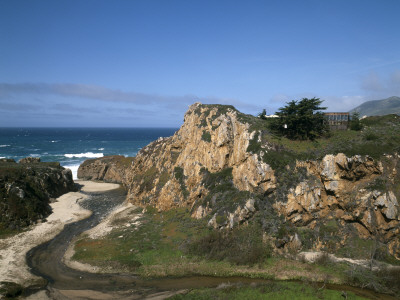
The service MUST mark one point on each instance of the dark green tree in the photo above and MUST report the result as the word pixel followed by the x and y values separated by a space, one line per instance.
pixel 355 123
pixel 262 115
pixel 301 119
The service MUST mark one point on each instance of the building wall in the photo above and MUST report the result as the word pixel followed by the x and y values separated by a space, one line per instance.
pixel 338 120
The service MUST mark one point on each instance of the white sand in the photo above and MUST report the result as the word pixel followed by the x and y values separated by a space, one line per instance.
pixel 66 210
pixel 93 187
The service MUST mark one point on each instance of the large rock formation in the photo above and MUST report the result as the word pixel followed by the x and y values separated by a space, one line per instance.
pixel 346 190
pixel 108 168
pixel 26 189
pixel 170 172
pixel 219 166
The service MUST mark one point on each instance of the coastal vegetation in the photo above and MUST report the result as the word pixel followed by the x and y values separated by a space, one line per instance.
pixel 229 196
pixel 171 243
pixel 272 290
pixel 300 120
pixel 379 136
pixel 26 189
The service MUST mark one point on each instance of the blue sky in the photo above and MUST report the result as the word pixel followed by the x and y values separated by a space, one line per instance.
pixel 128 63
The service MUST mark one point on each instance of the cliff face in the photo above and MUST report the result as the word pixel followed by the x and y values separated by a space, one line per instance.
pixel 219 166
pixel 26 189
pixel 170 172
pixel 357 193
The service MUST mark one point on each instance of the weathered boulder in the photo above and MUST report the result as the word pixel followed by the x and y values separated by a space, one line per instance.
pixel 29 160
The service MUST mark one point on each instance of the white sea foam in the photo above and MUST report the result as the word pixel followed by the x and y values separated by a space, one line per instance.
pixel 100 149
pixel 3 146
pixel 54 141
pixel 74 170
pixel 2 157
pixel 87 154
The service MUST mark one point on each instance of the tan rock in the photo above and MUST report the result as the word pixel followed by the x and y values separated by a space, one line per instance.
pixel 362 231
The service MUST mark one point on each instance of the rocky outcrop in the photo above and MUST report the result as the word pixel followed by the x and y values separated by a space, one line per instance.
pixel 170 171
pixel 344 189
pixel 29 160
pixel 108 168
pixel 218 164
pixel 26 189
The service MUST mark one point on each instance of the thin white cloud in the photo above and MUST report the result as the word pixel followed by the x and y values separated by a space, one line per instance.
pixel 100 93
pixel 344 103
pixel 88 92
pixel 379 87
pixel 91 101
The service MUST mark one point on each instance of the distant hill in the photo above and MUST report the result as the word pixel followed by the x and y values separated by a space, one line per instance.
pixel 379 107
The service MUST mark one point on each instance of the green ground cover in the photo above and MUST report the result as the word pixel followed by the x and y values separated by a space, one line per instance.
pixel 171 243
pixel 380 135
pixel 272 290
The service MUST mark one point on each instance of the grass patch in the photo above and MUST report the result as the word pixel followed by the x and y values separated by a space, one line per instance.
pixel 163 179
pixel 206 136
pixel 223 196
pixel 7 232
pixel 383 281
pixel 357 248
pixel 165 245
pixel 178 171
pixel 158 240
pixel 271 290
pixel 242 245
pixel 379 136
pixel 254 146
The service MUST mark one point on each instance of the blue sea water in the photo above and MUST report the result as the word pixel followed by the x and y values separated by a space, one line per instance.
pixel 71 146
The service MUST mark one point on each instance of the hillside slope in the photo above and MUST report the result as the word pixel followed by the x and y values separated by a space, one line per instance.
pixel 332 194
pixel 382 107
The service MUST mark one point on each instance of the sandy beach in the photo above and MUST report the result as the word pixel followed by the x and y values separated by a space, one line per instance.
pixel 66 210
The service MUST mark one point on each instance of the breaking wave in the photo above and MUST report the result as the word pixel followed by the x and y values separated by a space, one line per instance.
pixel 87 154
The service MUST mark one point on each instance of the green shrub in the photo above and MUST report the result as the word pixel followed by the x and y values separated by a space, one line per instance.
pixel 242 245
pixel 355 123
pixel 254 146
pixel 206 136
pixel 178 171
pixel 10 289
pixel 370 136
pixel 223 196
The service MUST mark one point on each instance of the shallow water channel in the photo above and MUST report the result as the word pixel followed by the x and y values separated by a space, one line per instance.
pixel 46 261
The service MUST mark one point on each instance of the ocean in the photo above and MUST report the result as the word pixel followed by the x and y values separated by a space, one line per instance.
pixel 72 146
